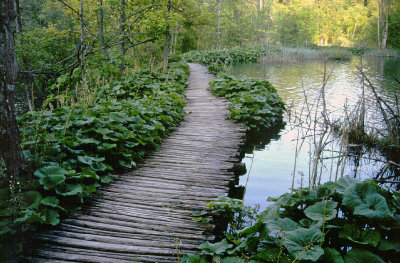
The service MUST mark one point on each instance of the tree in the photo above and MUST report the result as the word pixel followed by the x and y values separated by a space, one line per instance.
pixel 383 19
pixel 10 151
pixel 168 36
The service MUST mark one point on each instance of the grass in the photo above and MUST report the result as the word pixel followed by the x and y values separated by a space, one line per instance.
pixel 297 54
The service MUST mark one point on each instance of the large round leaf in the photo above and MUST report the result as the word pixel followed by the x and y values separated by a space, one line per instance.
pixel 322 211
pixel 281 224
pixel 50 176
pixel 301 243
pixel 345 182
pixel 366 236
pixel 331 256
pixel 366 201
pixel 362 256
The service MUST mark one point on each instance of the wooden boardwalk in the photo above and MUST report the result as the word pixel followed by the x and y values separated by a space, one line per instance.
pixel 144 215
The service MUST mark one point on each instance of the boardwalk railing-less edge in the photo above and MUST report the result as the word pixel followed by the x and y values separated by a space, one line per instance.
pixel 145 215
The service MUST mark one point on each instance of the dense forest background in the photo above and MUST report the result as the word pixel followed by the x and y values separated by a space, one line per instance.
pixel 54 37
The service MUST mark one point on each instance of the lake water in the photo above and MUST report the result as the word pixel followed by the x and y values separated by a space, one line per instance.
pixel 272 163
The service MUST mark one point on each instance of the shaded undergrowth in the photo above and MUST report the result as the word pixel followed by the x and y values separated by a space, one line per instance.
pixel 346 221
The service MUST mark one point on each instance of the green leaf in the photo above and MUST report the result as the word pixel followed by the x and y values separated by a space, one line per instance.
pixel 69 189
pixel 86 174
pixel 300 243
pixel 31 216
pixel 365 236
pixel 219 248
pixel 281 224
pixel 52 201
pixel 31 199
pixel 322 211
pixel 232 260
pixel 331 256
pixel 52 217
pixel 190 258
pixel 51 176
pixel 271 213
pixel 345 182
pixel 366 201
pixel 390 243
pixel 362 256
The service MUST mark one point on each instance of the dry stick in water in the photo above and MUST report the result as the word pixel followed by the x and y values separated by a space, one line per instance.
pixel 248 174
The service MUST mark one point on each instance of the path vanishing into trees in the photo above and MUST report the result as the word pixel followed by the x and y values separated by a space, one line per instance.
pixel 145 215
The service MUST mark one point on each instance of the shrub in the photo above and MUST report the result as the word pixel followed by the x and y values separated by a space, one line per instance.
pixel 253 102
pixel 347 221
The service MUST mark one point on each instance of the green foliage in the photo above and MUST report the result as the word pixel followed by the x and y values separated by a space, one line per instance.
pixel 253 102
pixel 75 149
pixel 347 221
pixel 215 58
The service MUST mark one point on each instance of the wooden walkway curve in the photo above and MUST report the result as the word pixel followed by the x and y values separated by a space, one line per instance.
pixel 144 215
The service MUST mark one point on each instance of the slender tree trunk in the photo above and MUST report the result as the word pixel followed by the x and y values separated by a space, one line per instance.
pixel 82 41
pixel 168 37
pixel 268 21
pixel 10 150
pixel 378 23
pixel 101 30
pixel 386 28
pixel 219 30
pixel 121 32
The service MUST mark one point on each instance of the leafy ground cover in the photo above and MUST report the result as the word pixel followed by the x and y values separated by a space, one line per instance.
pixel 216 60
pixel 73 150
pixel 253 102
pixel 347 221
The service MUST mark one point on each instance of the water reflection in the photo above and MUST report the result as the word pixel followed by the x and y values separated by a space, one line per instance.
pixel 273 160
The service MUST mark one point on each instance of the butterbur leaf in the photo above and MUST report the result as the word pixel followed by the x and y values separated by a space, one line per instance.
pixel 269 255
pixel 89 160
pixel 69 189
pixel 106 179
pixel 190 258
pixel 51 201
pixel 362 256
pixel 322 211
pixel 219 248
pixel 232 260
pixel 32 199
pixel 365 236
pixel 365 200
pixel 301 243
pixel 345 182
pixel 52 217
pixel 281 224
pixel 271 213
pixel 331 256
pixel 31 216
pixel 390 243
pixel 50 176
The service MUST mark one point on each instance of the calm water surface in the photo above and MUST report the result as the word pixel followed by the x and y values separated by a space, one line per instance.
pixel 272 164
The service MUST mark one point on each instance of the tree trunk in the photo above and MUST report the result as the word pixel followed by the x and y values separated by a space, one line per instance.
pixel 268 21
pixel 386 28
pixel 219 30
pixel 10 150
pixel 378 23
pixel 101 30
pixel 121 32
pixel 82 41
pixel 168 37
